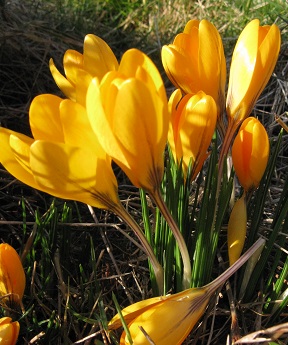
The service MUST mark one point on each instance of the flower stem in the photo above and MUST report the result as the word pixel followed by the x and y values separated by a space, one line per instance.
pixel 158 199
pixel 120 211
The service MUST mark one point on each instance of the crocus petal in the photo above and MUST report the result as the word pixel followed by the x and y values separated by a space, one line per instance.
pixel 12 276
pixel 243 65
pixel 138 65
pixel 98 57
pixel 193 124
pixel 44 118
pixel 136 144
pixel 128 112
pixel 77 129
pixel 134 310
pixel 19 167
pixel 96 60
pixel 178 67
pixel 178 314
pixel 196 61
pixel 72 61
pixel 64 84
pixel 73 173
pixel 212 75
pixel 253 61
pixel 250 152
pixel 9 331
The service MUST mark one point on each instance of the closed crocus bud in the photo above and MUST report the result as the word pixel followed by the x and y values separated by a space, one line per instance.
pixel 9 331
pixel 253 61
pixel 65 158
pixel 129 114
pixel 96 60
pixel 12 276
pixel 250 152
pixel 236 231
pixel 193 122
pixel 195 61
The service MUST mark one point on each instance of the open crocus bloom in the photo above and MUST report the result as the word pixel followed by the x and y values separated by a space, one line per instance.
pixel 196 61
pixel 253 61
pixel 250 153
pixel 9 331
pixel 169 319
pixel 193 122
pixel 165 320
pixel 12 276
pixel 96 60
pixel 128 112
pixel 64 157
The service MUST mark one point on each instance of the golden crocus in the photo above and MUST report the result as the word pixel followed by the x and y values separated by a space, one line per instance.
pixel 128 112
pixel 169 319
pixel 253 61
pixel 196 61
pixel 193 122
pixel 64 157
pixel 250 152
pixel 9 331
pixel 12 276
pixel 97 59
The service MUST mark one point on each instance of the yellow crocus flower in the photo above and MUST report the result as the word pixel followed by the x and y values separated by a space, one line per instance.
pixel 9 331
pixel 196 61
pixel 193 122
pixel 253 61
pixel 12 276
pixel 128 112
pixel 250 153
pixel 170 319
pixel 64 157
pixel 97 59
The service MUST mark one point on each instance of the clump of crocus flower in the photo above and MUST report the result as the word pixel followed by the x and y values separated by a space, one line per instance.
pixel 12 276
pixel 9 331
pixel 120 112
